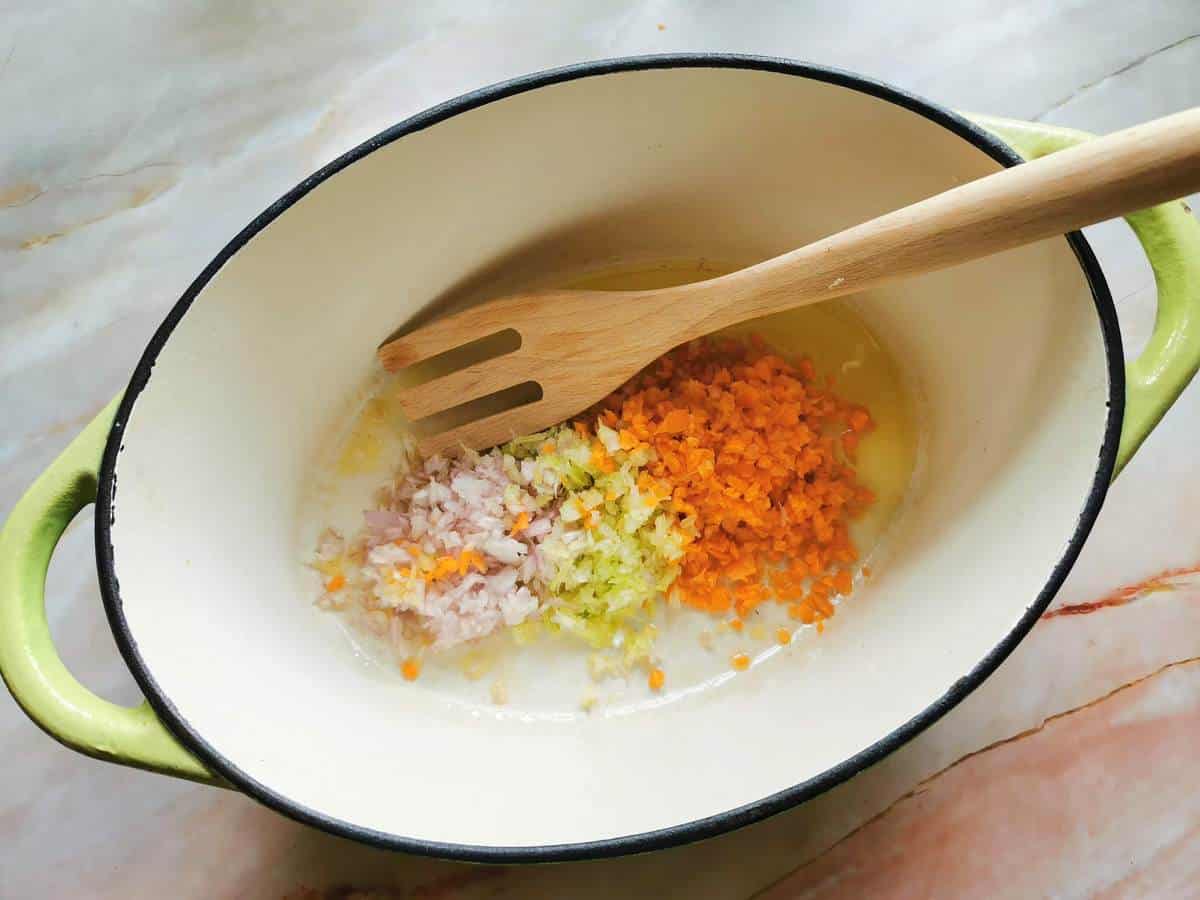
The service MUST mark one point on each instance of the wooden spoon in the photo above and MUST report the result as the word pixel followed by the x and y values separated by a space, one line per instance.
pixel 580 345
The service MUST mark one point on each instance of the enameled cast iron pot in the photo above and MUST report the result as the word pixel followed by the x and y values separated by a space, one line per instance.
pixel 1028 410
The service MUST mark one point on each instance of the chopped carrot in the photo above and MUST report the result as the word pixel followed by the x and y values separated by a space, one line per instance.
pixel 410 668
pixel 803 612
pixel 740 662
pixel 748 596
pixel 548 447
pixel 600 458
pixel 581 429
pixel 736 624
pixel 674 422
pixel 783 637
pixel 657 679
pixel 444 566
pixel 842 582
pixel 859 419
pixel 720 601
pixel 336 583
pixel 520 524
pixel 822 605
pixel 750 457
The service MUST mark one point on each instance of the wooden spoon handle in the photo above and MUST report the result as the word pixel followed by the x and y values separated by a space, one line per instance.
pixel 1100 179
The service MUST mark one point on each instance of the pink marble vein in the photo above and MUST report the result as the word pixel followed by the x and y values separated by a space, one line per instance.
pixel 1099 803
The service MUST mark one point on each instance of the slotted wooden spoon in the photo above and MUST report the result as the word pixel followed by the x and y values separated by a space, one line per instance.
pixel 577 346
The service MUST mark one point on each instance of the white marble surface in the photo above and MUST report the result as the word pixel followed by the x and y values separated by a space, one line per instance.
pixel 138 138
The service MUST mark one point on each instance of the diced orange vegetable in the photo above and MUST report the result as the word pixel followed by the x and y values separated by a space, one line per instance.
pixel 842 582
pixel 822 605
pixel 783 637
pixel 740 662
pixel 410 668
pixel 803 612
pixel 336 583
pixel 859 419
pixel 445 565
pixel 657 679
pixel 674 422
pixel 520 524
pixel 747 452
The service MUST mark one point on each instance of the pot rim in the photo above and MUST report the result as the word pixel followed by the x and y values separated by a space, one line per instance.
pixel 717 823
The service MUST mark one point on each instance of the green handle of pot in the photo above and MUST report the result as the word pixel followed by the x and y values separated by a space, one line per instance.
pixel 29 663
pixel 1170 236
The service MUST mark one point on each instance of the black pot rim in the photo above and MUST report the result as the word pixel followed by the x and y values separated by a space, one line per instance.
pixel 686 831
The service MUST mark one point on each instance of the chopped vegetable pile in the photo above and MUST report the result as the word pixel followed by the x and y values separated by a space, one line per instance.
pixel 756 453
pixel 720 477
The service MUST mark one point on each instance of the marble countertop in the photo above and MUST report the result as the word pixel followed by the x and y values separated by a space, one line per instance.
pixel 138 139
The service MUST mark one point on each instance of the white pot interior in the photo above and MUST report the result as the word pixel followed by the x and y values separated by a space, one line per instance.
pixel 1007 355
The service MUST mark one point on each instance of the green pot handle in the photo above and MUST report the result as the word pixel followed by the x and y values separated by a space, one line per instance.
pixel 29 663
pixel 1170 236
